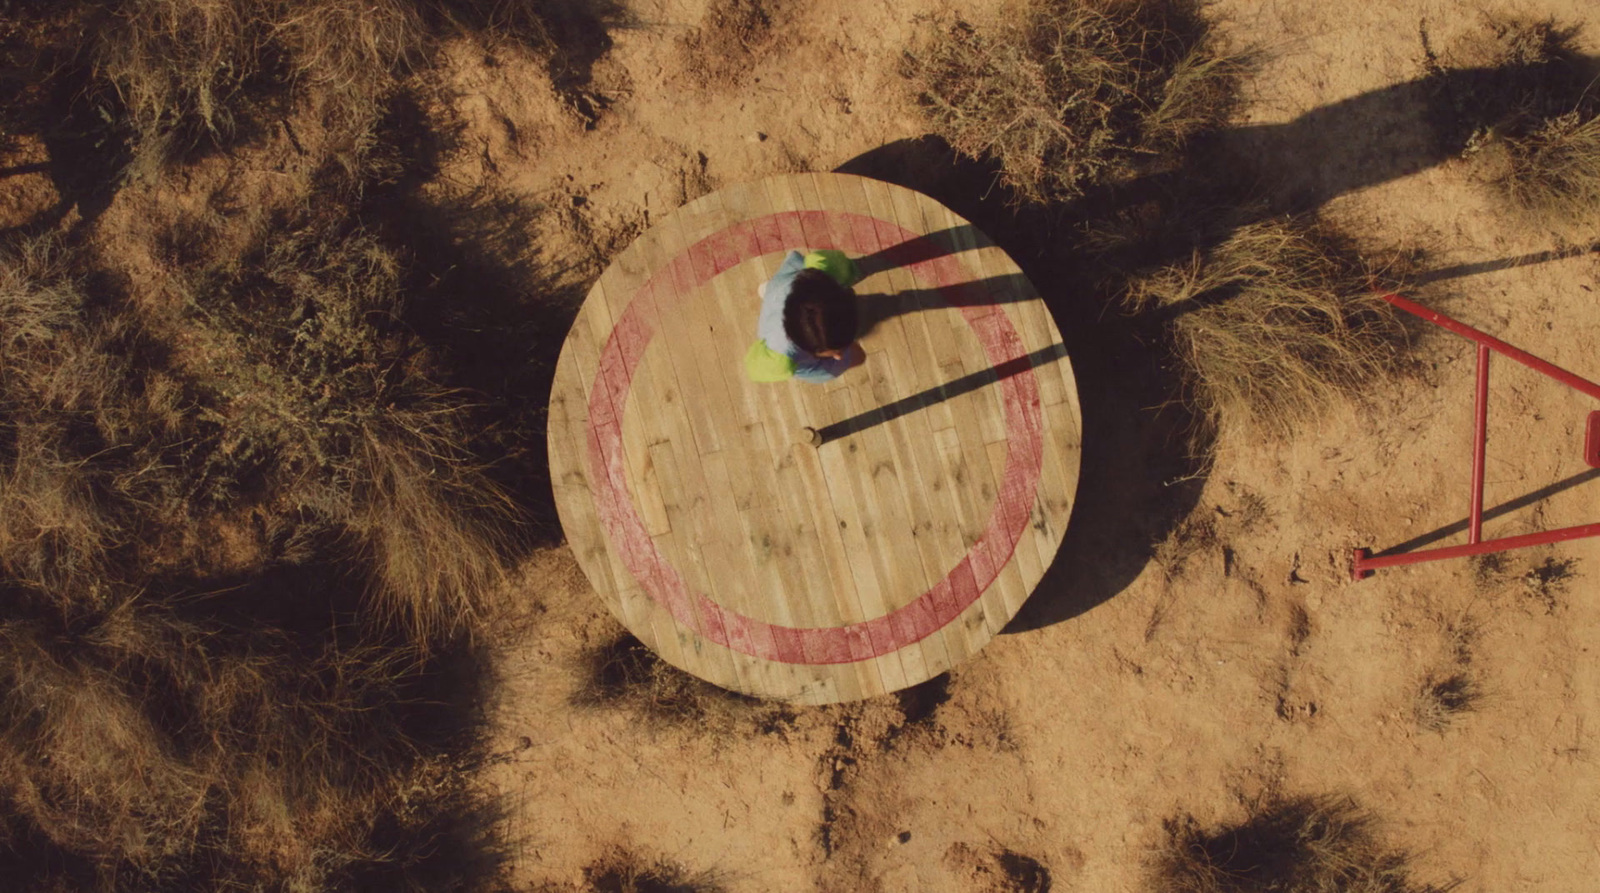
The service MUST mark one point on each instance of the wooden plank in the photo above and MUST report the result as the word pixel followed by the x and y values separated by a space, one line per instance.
pixel 794 405
pixel 685 496
pixel 1006 588
pixel 686 330
pixel 849 495
pixel 744 583
pixel 786 535
pixel 928 334
pixel 923 486
pixel 770 541
pixel 1026 553
pixel 692 332
pixel 1038 327
pixel 936 331
pixel 902 574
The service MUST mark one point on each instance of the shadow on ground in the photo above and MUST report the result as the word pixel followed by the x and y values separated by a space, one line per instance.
pixel 1137 480
pixel 1139 475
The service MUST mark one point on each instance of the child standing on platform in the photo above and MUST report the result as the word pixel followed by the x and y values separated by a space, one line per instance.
pixel 808 322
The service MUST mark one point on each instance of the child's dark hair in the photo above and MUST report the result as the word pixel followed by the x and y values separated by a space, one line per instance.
pixel 820 313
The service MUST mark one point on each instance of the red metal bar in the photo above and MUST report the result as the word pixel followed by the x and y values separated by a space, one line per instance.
pixel 1591 440
pixel 1496 345
pixel 1365 565
pixel 1480 440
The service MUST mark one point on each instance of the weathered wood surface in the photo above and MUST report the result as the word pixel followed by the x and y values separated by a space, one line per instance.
pixel 743 554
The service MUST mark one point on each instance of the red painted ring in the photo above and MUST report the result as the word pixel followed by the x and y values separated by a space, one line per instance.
pixel 857 234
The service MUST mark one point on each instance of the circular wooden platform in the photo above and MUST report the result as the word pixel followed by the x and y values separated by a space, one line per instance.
pixel 743 554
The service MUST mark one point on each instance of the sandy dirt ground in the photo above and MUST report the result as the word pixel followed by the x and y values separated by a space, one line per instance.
pixel 1234 659
pixel 1241 660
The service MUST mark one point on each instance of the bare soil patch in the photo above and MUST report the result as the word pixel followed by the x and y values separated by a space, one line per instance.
pixel 285 601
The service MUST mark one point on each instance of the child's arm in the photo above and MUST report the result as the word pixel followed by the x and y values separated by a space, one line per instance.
pixel 819 369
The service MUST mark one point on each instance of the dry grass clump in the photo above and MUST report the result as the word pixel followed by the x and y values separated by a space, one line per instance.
pixel 1525 104
pixel 1076 92
pixel 204 73
pixel 166 724
pixel 195 70
pixel 1298 845
pixel 1451 688
pixel 732 36
pixel 90 430
pixel 1553 172
pixel 626 872
pixel 165 755
pixel 1543 582
pixel 1273 324
pixel 202 505
pixel 211 733
pixel 325 408
pixel 299 393
pixel 624 673
pixel 1441 700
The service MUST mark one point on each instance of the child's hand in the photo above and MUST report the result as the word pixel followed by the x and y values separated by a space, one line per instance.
pixel 853 355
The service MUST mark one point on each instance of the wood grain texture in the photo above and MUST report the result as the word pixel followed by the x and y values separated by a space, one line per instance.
pixel 752 559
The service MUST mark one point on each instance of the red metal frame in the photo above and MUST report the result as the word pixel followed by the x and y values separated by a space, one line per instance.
pixel 1365 564
pixel 1591 440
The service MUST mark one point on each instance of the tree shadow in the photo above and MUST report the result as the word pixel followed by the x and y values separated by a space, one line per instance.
pixel 1140 471
pixel 1137 480
pixel 86 141
pixel 495 311
pixel 490 303
pixel 1251 173
pixel 572 34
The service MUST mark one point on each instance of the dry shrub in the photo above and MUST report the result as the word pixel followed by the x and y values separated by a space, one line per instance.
pixel 1451 688
pixel 90 429
pixel 188 70
pixel 732 37
pixel 327 411
pixel 1543 581
pixel 624 673
pixel 82 762
pixel 1441 700
pixel 1072 93
pixel 1502 78
pixel 1298 845
pixel 1525 104
pixel 299 393
pixel 626 872
pixel 209 72
pixel 157 750
pixel 1273 324
pixel 1553 172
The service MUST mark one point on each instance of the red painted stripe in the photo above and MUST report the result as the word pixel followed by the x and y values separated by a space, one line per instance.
pixel 769 235
pixel 863 232
pixel 789 231
pixel 879 636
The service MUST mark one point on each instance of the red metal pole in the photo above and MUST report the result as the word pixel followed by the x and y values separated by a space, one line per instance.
pixel 1496 345
pixel 1364 564
pixel 1480 441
